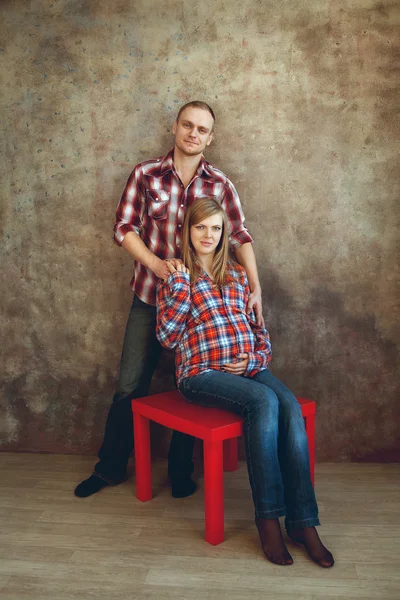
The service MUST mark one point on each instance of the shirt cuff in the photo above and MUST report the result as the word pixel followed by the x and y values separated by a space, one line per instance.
pixel 178 281
pixel 239 238
pixel 255 362
pixel 120 232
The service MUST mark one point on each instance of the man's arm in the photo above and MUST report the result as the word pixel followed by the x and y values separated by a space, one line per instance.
pixel 136 247
pixel 246 257
pixel 241 244
pixel 128 224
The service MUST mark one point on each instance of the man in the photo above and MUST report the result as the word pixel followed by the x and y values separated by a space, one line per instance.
pixel 148 226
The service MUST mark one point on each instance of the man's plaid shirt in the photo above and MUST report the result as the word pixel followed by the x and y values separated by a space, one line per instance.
pixel 208 325
pixel 154 203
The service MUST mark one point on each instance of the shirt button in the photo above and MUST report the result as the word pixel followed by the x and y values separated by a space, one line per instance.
pixel 179 225
pixel 182 205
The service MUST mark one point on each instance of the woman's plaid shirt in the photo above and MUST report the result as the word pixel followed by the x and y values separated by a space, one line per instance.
pixel 208 325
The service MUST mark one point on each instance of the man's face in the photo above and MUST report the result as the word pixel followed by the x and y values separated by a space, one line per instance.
pixel 193 132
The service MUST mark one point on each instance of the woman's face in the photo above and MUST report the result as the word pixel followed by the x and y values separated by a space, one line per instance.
pixel 205 236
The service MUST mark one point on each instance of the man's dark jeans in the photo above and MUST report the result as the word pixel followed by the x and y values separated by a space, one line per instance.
pixel 140 354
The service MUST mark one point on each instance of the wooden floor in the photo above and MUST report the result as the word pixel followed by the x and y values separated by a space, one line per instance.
pixel 111 546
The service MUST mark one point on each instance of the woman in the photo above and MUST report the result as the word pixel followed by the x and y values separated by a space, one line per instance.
pixel 221 361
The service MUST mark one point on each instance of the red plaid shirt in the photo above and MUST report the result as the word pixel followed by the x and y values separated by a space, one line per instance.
pixel 208 325
pixel 154 203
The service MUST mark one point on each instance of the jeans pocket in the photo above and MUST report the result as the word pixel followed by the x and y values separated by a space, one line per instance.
pixel 184 388
pixel 190 385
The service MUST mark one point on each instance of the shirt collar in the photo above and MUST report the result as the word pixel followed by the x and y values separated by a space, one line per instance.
pixel 167 164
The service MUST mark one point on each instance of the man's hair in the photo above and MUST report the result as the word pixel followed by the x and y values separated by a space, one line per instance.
pixel 202 209
pixel 196 104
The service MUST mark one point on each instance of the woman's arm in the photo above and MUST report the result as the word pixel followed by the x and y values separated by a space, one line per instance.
pixel 173 303
pixel 246 257
pixel 251 362
pixel 262 345
pixel 262 354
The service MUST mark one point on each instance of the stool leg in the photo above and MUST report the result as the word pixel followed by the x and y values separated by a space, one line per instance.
pixel 231 454
pixel 213 492
pixel 310 430
pixel 141 428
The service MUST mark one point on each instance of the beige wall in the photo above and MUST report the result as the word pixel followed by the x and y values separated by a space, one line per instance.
pixel 308 129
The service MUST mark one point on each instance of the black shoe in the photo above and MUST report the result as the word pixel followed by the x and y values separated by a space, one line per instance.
pixel 90 486
pixel 182 487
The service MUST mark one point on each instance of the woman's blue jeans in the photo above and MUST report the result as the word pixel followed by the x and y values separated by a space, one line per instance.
pixel 275 440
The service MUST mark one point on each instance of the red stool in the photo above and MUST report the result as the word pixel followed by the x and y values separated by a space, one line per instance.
pixel 219 430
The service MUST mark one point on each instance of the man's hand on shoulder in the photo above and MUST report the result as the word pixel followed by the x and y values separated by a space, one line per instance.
pixel 255 303
pixel 160 268
pixel 163 268
pixel 175 264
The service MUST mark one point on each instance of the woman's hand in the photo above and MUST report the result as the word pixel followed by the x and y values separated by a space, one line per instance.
pixel 237 368
pixel 175 265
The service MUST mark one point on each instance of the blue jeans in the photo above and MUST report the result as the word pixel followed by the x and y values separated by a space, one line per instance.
pixel 275 440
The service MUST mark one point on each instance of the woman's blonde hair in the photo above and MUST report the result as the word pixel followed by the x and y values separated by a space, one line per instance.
pixel 203 209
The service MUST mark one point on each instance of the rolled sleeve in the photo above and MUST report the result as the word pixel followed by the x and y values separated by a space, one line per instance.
pixel 121 230
pixel 129 213
pixel 240 238
pixel 238 234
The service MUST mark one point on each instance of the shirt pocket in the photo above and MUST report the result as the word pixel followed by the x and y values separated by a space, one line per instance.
pixel 157 203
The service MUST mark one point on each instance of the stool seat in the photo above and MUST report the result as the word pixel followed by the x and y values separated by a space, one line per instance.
pixel 172 410
pixel 219 430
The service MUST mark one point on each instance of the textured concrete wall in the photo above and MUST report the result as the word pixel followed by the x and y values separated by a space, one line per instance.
pixel 308 129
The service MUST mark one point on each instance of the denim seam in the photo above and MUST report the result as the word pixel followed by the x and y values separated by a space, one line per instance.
pixel 247 440
pixel 313 520
pixel 271 514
